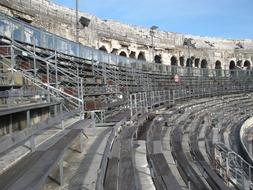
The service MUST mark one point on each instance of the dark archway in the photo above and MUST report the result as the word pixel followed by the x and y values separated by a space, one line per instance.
pixel 173 61
pixel 123 54
pixel 141 56
pixel 132 55
pixel 189 62
pixel 239 63
pixel 218 65
pixel 232 68
pixel 196 62
pixel 114 51
pixel 218 68
pixel 203 64
pixel 189 70
pixel 158 59
pixel 102 48
pixel 232 65
pixel 181 61
pixel 246 65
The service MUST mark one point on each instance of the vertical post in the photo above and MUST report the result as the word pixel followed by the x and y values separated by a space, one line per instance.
pixel 152 99
pixel 10 124
pixel 81 142
pixel 135 103
pixel 92 62
pixel 55 110
pixel 60 165
pixel 93 122
pixel 62 119
pixel 159 97
pixel 34 58
pixel 131 106
pixel 82 99
pixel 28 121
pixel 48 83
pixel 146 101
pixel 173 97
pixel 12 65
pixel 78 85
pixel 56 72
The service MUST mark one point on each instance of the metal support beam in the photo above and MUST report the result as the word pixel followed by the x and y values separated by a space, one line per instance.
pixel 61 113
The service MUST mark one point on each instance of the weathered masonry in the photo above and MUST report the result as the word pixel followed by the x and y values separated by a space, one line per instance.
pixel 134 41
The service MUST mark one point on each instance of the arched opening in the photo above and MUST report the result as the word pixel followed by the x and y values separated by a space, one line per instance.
pixel 158 59
pixel 196 62
pixel 132 55
pixel 189 66
pixel 189 62
pixel 173 63
pixel 218 68
pixel 123 54
pixel 246 65
pixel 218 65
pixel 239 63
pixel 114 51
pixel 141 56
pixel 232 65
pixel 232 68
pixel 181 61
pixel 102 48
pixel 203 64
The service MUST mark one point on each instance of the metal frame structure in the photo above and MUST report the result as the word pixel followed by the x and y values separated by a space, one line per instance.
pixel 90 79
pixel 232 167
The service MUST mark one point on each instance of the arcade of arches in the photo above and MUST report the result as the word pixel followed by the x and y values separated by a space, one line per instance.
pixel 181 61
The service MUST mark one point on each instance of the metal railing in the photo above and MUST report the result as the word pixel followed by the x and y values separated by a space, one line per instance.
pixel 233 167
pixel 17 30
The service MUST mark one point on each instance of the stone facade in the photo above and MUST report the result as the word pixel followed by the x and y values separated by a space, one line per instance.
pixel 134 41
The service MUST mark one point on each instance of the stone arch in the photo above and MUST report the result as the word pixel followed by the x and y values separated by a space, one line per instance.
pixel 246 64
pixel 196 62
pixel 189 70
pixel 158 59
pixel 189 62
pixel 204 64
pixel 141 56
pixel 232 65
pixel 114 51
pixel 181 61
pixel 218 68
pixel 132 54
pixel 123 54
pixel 103 48
pixel 173 61
pixel 239 63
pixel 232 68
pixel 218 64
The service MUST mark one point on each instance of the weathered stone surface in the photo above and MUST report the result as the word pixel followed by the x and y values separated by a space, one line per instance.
pixel 132 41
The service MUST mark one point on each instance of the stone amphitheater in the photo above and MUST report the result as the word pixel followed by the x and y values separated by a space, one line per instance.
pixel 115 106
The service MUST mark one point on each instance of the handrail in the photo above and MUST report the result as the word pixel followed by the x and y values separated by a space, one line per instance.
pixel 108 147
pixel 8 141
pixel 247 124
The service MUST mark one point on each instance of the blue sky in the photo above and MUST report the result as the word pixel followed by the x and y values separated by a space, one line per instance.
pixel 220 18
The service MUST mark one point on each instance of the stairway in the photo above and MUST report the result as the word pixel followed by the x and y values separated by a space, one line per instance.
pixel 46 74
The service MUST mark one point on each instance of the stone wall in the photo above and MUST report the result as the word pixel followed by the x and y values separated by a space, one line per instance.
pixel 132 41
